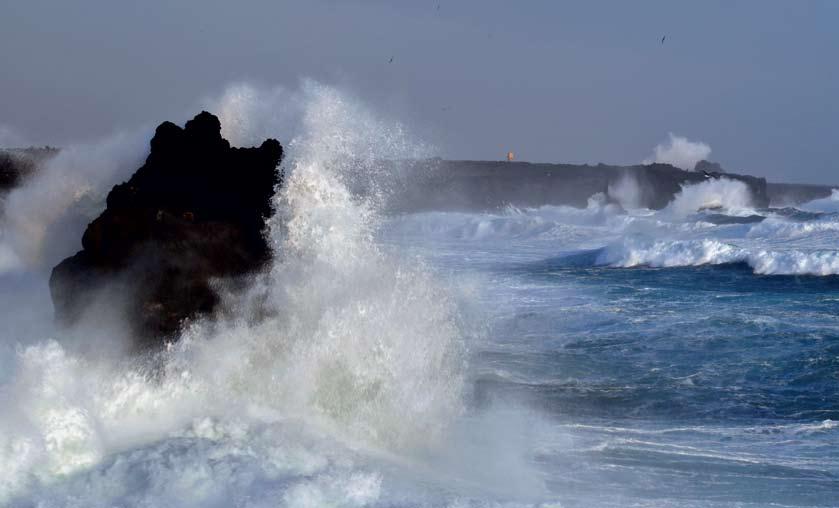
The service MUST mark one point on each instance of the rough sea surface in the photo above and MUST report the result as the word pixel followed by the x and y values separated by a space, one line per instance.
pixel 664 359
pixel 598 357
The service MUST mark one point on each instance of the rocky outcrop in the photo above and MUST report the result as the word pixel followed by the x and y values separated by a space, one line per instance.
pixel 194 212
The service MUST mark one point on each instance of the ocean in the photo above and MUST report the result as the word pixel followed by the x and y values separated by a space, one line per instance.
pixel 664 360
pixel 606 356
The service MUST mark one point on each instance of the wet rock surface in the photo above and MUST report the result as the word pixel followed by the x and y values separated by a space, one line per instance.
pixel 192 214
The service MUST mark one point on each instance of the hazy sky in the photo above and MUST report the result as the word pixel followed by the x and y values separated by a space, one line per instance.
pixel 581 81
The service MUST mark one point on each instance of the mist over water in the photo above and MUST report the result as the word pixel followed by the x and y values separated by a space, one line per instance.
pixel 680 152
pixel 337 341
pixel 43 219
pixel 729 195
pixel 601 356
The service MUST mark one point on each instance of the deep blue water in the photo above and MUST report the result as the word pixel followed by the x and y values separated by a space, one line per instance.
pixel 687 385
pixel 548 357
pixel 703 343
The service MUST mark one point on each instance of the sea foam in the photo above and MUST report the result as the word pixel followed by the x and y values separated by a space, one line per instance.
pixel 339 345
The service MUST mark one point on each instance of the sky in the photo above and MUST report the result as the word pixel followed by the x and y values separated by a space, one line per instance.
pixel 582 82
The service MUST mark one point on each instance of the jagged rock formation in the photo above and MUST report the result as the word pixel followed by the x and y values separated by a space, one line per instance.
pixel 194 212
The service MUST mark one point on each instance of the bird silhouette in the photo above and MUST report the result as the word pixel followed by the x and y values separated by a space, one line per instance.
pixel 662 39
pixel 391 60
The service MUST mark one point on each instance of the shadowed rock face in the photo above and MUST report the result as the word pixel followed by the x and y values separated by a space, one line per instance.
pixel 194 212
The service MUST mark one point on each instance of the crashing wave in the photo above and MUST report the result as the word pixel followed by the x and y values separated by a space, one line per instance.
pixel 712 194
pixel 676 253
pixel 354 344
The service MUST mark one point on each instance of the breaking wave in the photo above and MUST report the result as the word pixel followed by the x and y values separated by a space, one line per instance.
pixel 710 223
pixel 669 253
pixel 776 245
pixel 338 376
pixel 716 193
pixel 338 342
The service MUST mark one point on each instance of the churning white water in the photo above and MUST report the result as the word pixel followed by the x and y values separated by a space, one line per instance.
pixel 338 347
pixel 522 357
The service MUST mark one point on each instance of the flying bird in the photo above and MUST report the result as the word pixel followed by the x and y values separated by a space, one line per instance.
pixel 662 39
pixel 391 60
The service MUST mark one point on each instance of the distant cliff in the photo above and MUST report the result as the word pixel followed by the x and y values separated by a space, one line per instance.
pixel 791 194
pixel 485 185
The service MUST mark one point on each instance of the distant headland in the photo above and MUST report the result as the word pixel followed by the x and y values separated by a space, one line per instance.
pixel 482 185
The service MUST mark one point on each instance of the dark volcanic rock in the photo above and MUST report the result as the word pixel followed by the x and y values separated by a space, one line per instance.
pixel 195 211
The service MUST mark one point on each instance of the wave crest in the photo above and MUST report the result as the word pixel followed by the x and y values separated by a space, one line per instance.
pixel 358 343
pixel 714 193
pixel 675 253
